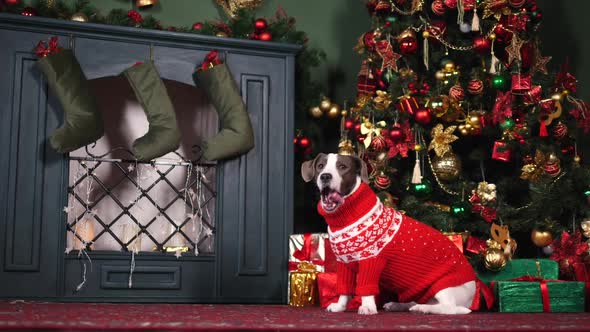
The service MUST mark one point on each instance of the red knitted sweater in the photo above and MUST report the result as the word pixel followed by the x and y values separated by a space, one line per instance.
pixel 391 251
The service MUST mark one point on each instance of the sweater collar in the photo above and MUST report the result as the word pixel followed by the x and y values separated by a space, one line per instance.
pixel 355 206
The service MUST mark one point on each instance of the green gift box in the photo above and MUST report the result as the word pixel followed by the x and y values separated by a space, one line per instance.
pixel 516 268
pixel 529 296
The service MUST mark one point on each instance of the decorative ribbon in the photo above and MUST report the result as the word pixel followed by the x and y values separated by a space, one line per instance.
pixel 481 289
pixel 475 245
pixel 542 285
pixel 42 50
pixel 304 254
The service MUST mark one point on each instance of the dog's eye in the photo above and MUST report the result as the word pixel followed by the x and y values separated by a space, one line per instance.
pixel 342 167
pixel 320 166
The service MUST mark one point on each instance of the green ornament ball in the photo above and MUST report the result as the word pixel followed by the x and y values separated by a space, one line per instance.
pixel 507 124
pixel 391 19
pixel 422 189
pixel 499 82
pixel 461 210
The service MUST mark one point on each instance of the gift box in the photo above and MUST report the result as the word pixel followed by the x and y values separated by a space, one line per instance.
pixel 542 268
pixel 308 254
pixel 327 292
pixel 540 296
pixel 303 287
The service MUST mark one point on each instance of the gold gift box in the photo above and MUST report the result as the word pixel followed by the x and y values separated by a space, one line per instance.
pixel 303 286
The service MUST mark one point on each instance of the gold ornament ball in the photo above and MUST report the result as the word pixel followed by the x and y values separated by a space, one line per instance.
pixel 474 120
pixel 447 167
pixel 344 113
pixel 494 259
pixel 221 34
pixel 541 238
pixel 439 75
pixel 325 104
pixel 425 34
pixel 418 147
pixel 577 159
pixel 334 111
pixel 492 36
pixel 79 17
pixel 450 67
pixel 463 131
pixel 316 112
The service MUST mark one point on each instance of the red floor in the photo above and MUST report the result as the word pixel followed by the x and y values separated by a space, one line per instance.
pixel 21 315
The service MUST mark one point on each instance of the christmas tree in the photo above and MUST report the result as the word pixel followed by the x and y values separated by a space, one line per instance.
pixel 463 125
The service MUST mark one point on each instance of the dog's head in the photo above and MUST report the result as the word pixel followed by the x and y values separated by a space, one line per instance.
pixel 336 176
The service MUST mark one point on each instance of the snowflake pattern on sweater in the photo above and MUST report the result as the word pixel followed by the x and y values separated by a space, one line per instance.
pixel 368 236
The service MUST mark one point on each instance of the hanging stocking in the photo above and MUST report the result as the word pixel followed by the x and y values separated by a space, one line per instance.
pixel 163 135
pixel 236 136
pixel 82 122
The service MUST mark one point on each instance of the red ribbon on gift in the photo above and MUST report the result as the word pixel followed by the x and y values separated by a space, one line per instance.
pixel 211 60
pixel 544 289
pixel 533 96
pixel 304 254
pixel 481 289
pixel 42 50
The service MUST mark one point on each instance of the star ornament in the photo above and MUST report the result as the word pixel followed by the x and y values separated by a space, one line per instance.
pixel 514 49
pixel 389 57
pixel 441 139
pixel 540 63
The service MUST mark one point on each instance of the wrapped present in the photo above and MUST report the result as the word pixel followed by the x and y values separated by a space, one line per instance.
pixel 313 248
pixel 525 295
pixel 303 287
pixel 543 268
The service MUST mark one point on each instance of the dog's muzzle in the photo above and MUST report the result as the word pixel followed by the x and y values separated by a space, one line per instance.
pixel 331 198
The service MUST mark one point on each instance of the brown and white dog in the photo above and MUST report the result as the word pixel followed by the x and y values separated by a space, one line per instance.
pixel 378 248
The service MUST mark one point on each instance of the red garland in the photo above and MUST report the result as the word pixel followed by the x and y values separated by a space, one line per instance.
pixel 569 250
pixel 41 50
pixel 134 16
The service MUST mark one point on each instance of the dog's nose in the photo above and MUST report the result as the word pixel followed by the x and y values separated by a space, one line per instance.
pixel 326 177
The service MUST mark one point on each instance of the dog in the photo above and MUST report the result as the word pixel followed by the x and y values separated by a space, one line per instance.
pixel 379 247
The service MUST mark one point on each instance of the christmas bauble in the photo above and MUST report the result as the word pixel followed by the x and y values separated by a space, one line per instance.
pixel 494 259
pixel 448 167
pixel 541 238
pixel 378 143
pixel 465 27
pixel 481 44
pixel 198 26
pixel 325 104
pixel 79 17
pixel 516 3
pixel 345 148
pixel 548 250
pixel 396 134
pixel 260 24
pixel 29 11
pixel 408 45
pixel 559 131
pixel 382 181
pixel 348 124
pixel 438 7
pixel 475 87
pixel 304 142
pixel 334 111
pixel 451 3
pixel 503 35
pixel 423 116
pixel 552 166
pixel 457 92
pixel 316 112
pixel 265 36
pixel 383 7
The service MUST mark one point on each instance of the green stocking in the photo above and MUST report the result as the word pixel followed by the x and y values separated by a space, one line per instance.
pixel 163 135
pixel 82 124
pixel 235 137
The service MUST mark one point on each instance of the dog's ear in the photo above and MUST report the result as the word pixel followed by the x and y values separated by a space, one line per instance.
pixel 362 167
pixel 308 168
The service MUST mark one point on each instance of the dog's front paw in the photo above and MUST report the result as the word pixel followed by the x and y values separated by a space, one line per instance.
pixel 336 307
pixel 368 310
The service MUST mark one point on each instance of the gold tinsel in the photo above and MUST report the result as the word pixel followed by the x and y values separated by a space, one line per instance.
pixel 231 7
pixel 441 139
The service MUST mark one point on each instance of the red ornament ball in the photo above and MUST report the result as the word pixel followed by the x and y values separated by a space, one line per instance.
pixel 467 4
pixel 552 168
pixel 369 40
pixel 475 87
pixel 304 142
pixel 260 24
pixel 516 3
pixel 457 92
pixel 423 116
pixel 349 124
pixel 438 7
pixel 559 131
pixel 451 3
pixel 265 36
pixel 383 7
pixel 481 44
pixel 198 26
pixel 396 134
pixel 408 45
pixel 29 11
pixel 12 2
pixel 378 143
pixel 382 181
pixel 357 127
